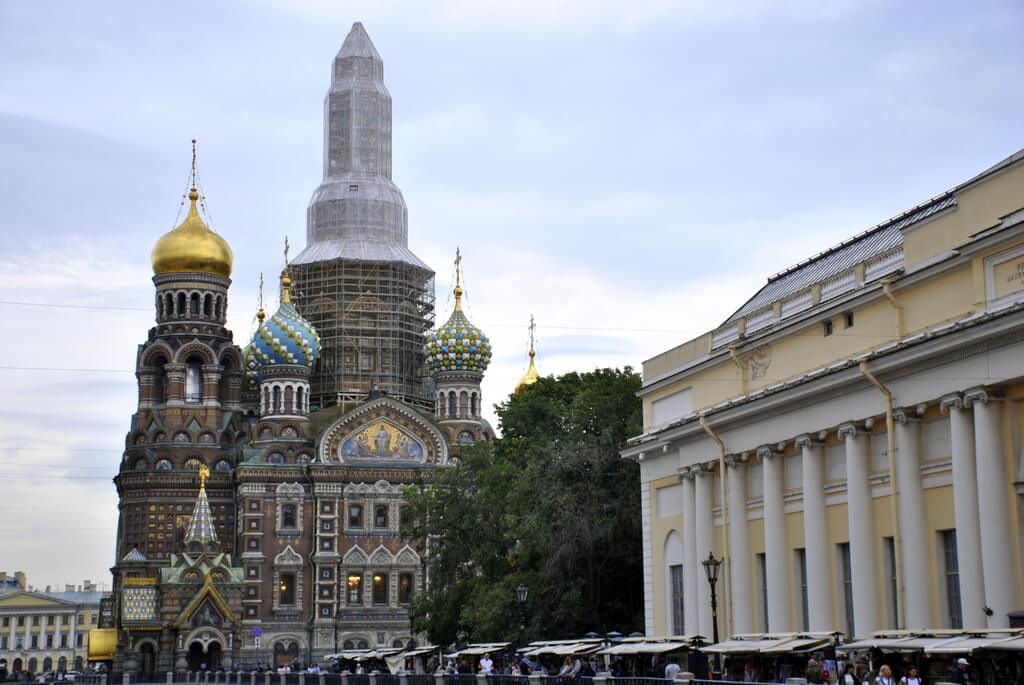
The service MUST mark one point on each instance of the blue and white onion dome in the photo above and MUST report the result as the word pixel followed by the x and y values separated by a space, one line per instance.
pixel 458 345
pixel 286 337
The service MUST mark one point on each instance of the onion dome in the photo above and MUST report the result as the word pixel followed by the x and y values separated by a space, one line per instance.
pixel 531 376
pixel 286 337
pixel 192 247
pixel 458 345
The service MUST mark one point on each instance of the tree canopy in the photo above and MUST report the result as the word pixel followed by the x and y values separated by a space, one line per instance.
pixel 551 506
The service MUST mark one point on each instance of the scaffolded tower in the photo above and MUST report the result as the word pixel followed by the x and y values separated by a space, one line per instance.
pixel 357 282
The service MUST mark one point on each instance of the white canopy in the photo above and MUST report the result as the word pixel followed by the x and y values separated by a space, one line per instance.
pixel 800 644
pixel 643 647
pixel 1014 644
pixel 480 649
pixel 752 646
pixel 967 644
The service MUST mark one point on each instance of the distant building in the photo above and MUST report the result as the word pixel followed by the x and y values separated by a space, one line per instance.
pixel 44 631
pixel 13 581
pixel 772 440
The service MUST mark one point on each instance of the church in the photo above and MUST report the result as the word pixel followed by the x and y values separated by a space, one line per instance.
pixel 261 487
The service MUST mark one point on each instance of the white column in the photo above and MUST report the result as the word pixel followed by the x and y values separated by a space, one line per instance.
pixel 917 580
pixel 775 547
pixel 690 563
pixel 997 565
pixel 819 598
pixel 965 512
pixel 739 546
pixel 704 480
pixel 862 529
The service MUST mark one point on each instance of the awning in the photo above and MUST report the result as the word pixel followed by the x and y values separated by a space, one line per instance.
pixel 420 651
pixel 745 646
pixel 1014 644
pixel 800 644
pixel 632 648
pixel 102 644
pixel 965 644
pixel 480 649
pixel 362 654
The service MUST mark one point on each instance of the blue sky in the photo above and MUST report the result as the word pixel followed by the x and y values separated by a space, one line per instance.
pixel 628 172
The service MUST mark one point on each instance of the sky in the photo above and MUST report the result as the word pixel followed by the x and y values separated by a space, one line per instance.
pixel 627 172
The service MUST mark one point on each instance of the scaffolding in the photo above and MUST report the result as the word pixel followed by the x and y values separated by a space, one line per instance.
pixel 372 317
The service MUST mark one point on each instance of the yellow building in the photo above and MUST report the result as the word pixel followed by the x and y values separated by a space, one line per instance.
pixel 43 631
pixel 892 362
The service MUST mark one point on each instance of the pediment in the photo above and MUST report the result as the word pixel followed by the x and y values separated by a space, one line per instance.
pixel 383 431
pixel 407 556
pixel 382 557
pixel 288 557
pixel 25 598
pixel 355 557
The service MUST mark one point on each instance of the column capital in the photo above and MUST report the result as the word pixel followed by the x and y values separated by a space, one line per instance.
pixel 848 429
pixel 806 440
pixel 685 473
pixel 736 460
pixel 908 414
pixel 702 470
pixel 954 400
pixel 766 452
pixel 982 395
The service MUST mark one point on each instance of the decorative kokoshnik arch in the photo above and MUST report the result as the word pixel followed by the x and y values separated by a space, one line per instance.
pixel 383 430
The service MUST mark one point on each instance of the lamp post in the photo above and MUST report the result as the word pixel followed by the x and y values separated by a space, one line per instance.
pixel 711 566
pixel 522 592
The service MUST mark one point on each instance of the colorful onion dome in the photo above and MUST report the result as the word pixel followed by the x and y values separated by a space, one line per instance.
pixel 286 337
pixel 458 345
pixel 192 247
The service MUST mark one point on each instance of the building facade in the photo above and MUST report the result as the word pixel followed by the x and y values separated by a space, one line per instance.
pixel 261 486
pixel 46 631
pixel 850 440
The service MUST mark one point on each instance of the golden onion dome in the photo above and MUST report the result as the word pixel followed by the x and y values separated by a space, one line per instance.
pixel 529 378
pixel 192 247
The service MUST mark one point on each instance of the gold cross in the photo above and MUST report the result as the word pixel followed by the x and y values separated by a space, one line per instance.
pixel 533 330
pixel 458 267
pixel 286 250
pixel 204 473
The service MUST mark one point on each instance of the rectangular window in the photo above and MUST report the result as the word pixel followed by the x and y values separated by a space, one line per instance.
pixel 801 577
pixel 951 571
pixel 355 589
pixel 254 505
pixel 35 642
pixel 250 592
pixel 50 620
pixel 287 588
pixel 380 516
pixel 891 582
pixel 827 327
pixel 78 640
pixel 35 620
pixel 288 519
pixel 327 508
pixel 49 641
pixel 21 620
pixel 762 579
pixel 355 516
pixel 63 640
pixel 92 619
pixel 405 585
pixel 676 578
pixel 7 621
pixel 843 549
pixel 250 611
pixel 327 545
pixel 3 643
pixel 380 588
pixel 848 320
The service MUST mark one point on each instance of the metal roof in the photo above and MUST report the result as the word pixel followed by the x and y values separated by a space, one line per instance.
pixel 846 255
pixel 359 250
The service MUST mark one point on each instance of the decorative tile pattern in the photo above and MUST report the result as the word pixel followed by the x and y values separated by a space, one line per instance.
pixel 138 604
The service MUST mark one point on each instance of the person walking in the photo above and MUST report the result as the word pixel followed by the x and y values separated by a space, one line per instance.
pixel 849 676
pixel 813 673
pixel 671 670
pixel 963 675
pixel 884 676
pixel 912 677
pixel 486 664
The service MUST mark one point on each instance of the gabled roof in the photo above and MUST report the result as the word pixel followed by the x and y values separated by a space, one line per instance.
pixel 208 590
pixel 28 598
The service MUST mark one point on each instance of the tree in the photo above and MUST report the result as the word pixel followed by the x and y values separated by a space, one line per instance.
pixel 550 505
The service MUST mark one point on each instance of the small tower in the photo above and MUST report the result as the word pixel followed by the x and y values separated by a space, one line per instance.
pixel 285 347
pixel 531 376
pixel 201 536
pixel 457 356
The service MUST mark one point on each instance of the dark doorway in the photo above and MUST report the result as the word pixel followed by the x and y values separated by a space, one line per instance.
pixel 285 653
pixel 147 661
pixel 16 666
pixel 198 660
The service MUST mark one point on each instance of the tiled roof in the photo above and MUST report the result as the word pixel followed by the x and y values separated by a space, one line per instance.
pixel 200 528
pixel 873 242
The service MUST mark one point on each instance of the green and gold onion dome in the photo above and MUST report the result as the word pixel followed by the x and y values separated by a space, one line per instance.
pixel 286 337
pixel 458 345
pixel 192 247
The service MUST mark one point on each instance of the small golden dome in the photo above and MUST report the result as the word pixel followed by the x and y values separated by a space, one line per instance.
pixel 529 378
pixel 192 247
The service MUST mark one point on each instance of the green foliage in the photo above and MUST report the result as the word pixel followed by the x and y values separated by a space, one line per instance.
pixel 550 505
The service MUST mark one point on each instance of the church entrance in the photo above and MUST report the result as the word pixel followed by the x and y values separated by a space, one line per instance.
pixel 147 661
pixel 285 653
pixel 199 660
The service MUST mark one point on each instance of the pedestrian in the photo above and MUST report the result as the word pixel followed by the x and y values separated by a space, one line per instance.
pixel 813 673
pixel 963 675
pixel 911 678
pixel 486 664
pixel 849 676
pixel 884 676
pixel 671 670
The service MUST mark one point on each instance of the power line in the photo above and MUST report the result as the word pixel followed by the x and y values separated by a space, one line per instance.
pixel 50 466
pixel 74 306
pixel 63 370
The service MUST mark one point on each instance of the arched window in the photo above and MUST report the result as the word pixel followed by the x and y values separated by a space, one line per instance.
pixel 463 403
pixel 299 400
pixel 218 310
pixel 193 380
pixel 288 399
pixel 287 515
pixel 453 405
pixel 168 305
pixel 208 305
pixel 266 400
pixel 180 311
pixel 194 305
pixel 474 405
pixel 277 399
pixel 160 382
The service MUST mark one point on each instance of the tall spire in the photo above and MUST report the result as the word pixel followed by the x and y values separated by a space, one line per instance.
pixel 261 313
pixel 200 528
pixel 286 278
pixel 458 280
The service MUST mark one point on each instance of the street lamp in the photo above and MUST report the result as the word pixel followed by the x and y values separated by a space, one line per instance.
pixel 522 592
pixel 711 566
